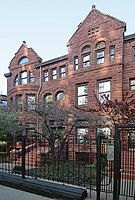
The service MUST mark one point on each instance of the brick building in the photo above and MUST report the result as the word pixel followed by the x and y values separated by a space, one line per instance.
pixel 100 58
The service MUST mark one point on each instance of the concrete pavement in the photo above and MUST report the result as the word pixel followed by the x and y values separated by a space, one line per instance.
pixel 7 193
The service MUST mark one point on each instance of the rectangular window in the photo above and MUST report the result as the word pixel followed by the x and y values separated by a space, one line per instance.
pixel 112 53
pixel 19 103
pixel 45 75
pixel 23 77
pixel 133 53
pixel 82 135
pixel 30 102
pixel 86 60
pixel 4 103
pixel 132 84
pixel 31 77
pixel 100 57
pixel 76 63
pixel 104 88
pixel 63 71
pixel 82 94
pixel 104 131
pixel 54 74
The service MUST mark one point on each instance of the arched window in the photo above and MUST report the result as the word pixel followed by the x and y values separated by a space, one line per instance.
pixel 86 56
pixel 100 52
pixel 23 60
pixel 16 80
pixel 60 96
pixel 48 100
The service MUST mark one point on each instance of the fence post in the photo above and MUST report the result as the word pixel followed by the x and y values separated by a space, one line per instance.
pixel 23 155
pixel 116 188
pixel 98 167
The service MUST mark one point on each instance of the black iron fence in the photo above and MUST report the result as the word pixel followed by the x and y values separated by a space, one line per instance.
pixel 83 162
pixel 74 162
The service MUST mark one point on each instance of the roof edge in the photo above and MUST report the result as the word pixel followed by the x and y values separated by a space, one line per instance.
pixel 54 60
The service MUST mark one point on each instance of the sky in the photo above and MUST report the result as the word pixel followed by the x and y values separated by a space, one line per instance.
pixel 47 25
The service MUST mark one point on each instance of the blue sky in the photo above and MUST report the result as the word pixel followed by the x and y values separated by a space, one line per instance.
pixel 47 25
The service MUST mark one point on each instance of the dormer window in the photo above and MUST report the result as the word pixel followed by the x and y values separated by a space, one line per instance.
pixel 23 60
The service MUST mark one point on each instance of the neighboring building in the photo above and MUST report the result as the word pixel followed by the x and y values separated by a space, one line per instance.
pixel 100 58
pixel 3 100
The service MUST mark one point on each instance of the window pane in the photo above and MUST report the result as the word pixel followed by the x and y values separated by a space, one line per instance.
pixel 100 45
pixel 31 77
pixel 86 49
pixel 4 103
pixel 23 60
pixel 82 90
pixel 133 53
pixel 23 74
pixel 16 81
pixel 60 96
pixel 62 72
pixel 82 100
pixel 30 102
pixel 100 54
pixel 104 88
pixel 23 81
pixel 76 63
pixel 54 74
pixel 132 82
pixel 48 100
pixel 45 73
pixel 19 102
pixel 82 135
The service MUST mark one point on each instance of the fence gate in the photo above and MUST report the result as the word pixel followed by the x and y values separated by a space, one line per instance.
pixel 116 165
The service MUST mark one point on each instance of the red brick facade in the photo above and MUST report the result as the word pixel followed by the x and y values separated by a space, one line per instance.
pixel 112 58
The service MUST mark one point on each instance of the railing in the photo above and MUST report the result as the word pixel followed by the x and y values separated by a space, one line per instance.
pixel 73 163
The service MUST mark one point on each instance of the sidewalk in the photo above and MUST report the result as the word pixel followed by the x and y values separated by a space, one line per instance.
pixel 14 194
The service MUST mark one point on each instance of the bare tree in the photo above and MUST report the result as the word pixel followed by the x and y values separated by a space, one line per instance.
pixel 57 124
pixel 120 112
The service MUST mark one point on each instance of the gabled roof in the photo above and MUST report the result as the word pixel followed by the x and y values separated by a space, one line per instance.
pixel 94 11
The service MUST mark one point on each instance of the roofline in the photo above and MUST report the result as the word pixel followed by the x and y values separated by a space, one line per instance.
pixel 129 37
pixel 52 61
pixel 8 74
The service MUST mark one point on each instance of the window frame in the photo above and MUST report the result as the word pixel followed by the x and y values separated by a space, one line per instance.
pixel 54 75
pixel 50 102
pixel 86 51
pixel 23 60
pixel 76 64
pixel 58 93
pixel 45 76
pixel 23 78
pixel 131 85
pixel 104 81
pixel 31 77
pixel 16 81
pixel 30 105
pixel 112 54
pixel 133 53
pixel 81 95
pixel 62 73
pixel 100 49
pixel 82 138
pixel 19 102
